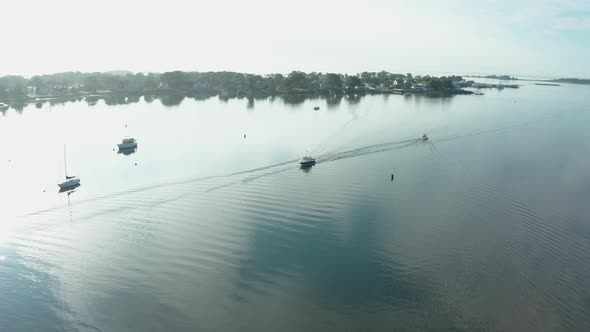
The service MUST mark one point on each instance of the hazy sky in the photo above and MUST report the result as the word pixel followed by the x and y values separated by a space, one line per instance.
pixel 536 37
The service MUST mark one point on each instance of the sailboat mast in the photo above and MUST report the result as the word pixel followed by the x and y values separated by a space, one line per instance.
pixel 65 162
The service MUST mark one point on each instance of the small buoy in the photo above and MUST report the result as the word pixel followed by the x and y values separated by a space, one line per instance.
pixel 125 126
pixel 392 177
pixel 43 190
pixel 244 135
pixel 135 164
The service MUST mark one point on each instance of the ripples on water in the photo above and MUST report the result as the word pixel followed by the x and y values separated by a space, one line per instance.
pixel 337 247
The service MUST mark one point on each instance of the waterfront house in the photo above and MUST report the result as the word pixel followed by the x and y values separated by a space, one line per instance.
pixel 163 86
pixel 419 87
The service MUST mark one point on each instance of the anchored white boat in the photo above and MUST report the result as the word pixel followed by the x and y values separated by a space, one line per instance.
pixel 71 181
pixel 307 161
pixel 127 143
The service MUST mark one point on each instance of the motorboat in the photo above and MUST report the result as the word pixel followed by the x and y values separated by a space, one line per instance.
pixel 128 143
pixel 71 182
pixel 425 137
pixel 316 108
pixel 307 161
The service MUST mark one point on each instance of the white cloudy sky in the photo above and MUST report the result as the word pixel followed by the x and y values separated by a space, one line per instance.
pixel 543 38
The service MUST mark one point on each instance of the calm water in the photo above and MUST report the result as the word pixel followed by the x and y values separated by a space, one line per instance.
pixel 484 228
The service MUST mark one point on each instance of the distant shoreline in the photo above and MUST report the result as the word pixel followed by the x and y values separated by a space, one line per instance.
pixel 17 90
pixel 71 85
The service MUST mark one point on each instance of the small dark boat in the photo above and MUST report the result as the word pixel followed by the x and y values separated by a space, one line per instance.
pixel 307 161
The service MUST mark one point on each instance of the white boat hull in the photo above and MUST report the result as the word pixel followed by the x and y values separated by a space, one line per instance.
pixel 307 162
pixel 69 183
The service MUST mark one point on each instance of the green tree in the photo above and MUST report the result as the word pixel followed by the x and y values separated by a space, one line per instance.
pixel 447 83
pixel 150 82
pixel 435 84
pixel 353 81
pixel 383 78
pixel 38 83
pixel 176 80
pixel 91 83
pixel 408 83
pixel 333 81
pixel 18 91
pixel 297 80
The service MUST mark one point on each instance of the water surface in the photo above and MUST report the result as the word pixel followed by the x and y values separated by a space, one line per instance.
pixel 483 228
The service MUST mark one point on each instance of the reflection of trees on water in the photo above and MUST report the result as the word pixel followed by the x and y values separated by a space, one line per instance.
pixel 429 99
pixel 115 100
pixel 334 101
pixel 149 98
pixel 353 98
pixel 171 100
pixel 92 99
pixel 294 99
pixel 201 96
pixel 19 106
pixel 56 102
pixel 131 99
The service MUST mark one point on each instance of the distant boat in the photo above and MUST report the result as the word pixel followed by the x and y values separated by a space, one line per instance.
pixel 316 108
pixel 127 143
pixel 71 182
pixel 3 107
pixel 425 137
pixel 307 161
pixel 127 152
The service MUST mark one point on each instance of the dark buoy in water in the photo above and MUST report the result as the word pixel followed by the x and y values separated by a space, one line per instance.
pixel 244 135
pixel 391 176
pixel 125 126
pixel 135 164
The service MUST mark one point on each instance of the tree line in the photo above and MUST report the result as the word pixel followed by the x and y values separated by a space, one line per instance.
pixel 73 83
